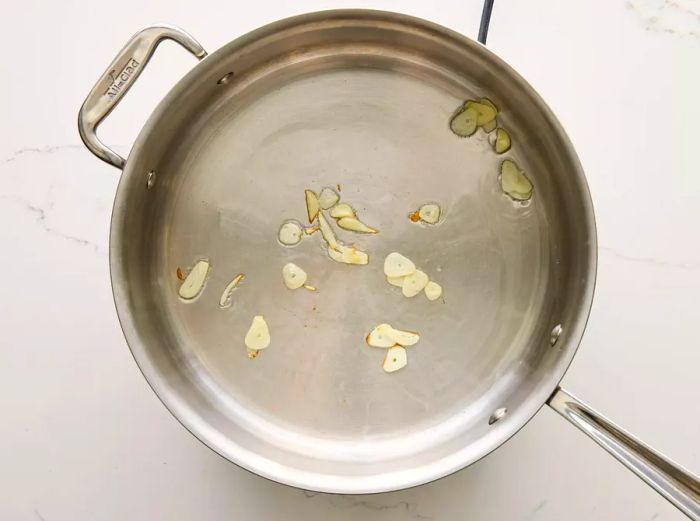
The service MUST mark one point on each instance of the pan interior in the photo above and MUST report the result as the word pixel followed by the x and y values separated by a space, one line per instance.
pixel 334 107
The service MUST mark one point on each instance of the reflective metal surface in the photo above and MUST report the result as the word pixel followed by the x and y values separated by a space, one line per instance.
pixel 118 79
pixel 669 479
pixel 359 99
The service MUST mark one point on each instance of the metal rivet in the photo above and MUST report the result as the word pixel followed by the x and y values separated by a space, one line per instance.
pixel 497 415
pixel 150 179
pixel 555 334
pixel 225 78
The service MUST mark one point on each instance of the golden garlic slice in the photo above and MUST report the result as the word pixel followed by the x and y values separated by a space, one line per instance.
pixel 380 336
pixel 327 198
pixel 293 276
pixel 312 205
pixel 225 300
pixel 348 255
pixel 194 282
pixel 342 210
pixel 290 233
pixel 395 359
pixel 433 290
pixel 414 283
pixel 258 336
pixel 355 225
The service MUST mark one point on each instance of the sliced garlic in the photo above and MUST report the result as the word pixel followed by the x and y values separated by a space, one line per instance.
pixel 502 143
pixel 327 232
pixel 342 210
pixel 309 287
pixel 348 255
pixel 395 359
pixel 293 276
pixel 258 336
pixel 404 338
pixel 355 225
pixel 396 265
pixel 464 123
pixel 225 300
pixel 485 112
pixel 384 335
pixel 290 233
pixel 490 103
pixel 514 182
pixel 312 205
pixel 433 290
pixel 380 336
pixel 311 230
pixel 490 126
pixel 429 213
pixel 414 283
pixel 194 282
pixel 327 198
pixel 252 353
pixel 395 281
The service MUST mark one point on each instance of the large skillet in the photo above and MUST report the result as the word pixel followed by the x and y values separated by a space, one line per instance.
pixel 361 99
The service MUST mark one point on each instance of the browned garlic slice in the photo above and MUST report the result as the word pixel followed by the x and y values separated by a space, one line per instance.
pixel 342 210
pixel 225 300
pixel 327 198
pixel 355 225
pixel 258 336
pixel 384 335
pixel 293 276
pixel 327 232
pixel 290 233
pixel 311 230
pixel 252 353
pixel 395 281
pixel 380 336
pixel 348 254
pixel 312 205
pixel 396 265
pixel 194 282
pixel 414 283
pixel 433 290
pixel 395 359
pixel 429 213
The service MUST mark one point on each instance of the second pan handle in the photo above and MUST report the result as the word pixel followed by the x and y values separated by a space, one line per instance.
pixel 670 480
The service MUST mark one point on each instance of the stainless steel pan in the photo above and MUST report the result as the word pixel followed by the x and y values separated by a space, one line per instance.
pixel 360 99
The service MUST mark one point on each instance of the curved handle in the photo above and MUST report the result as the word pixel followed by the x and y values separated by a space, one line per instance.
pixel 118 79
pixel 670 480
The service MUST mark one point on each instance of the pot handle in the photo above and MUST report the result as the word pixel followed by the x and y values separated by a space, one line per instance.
pixel 118 79
pixel 673 482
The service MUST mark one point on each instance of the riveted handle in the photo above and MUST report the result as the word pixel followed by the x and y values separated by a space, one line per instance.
pixel 118 79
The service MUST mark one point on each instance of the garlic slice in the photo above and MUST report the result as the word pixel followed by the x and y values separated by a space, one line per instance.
pixel 429 213
pixel 395 281
pixel 384 335
pixel 327 198
pixel 290 233
pixel 252 353
pixel 514 182
pixel 258 336
pixel 396 265
pixel 486 101
pixel 225 300
pixel 312 205
pixel 502 143
pixel 327 232
pixel 490 126
pixel 293 276
pixel 395 359
pixel 464 123
pixel 342 210
pixel 380 336
pixel 433 290
pixel 485 112
pixel 348 255
pixel 355 225
pixel 414 283
pixel 194 282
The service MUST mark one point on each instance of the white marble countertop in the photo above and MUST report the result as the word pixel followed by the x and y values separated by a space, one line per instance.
pixel 84 438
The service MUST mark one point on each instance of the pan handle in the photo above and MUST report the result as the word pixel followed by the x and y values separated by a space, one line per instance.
pixel 118 79
pixel 673 482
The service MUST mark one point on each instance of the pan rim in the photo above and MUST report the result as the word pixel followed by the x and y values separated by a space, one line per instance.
pixel 332 483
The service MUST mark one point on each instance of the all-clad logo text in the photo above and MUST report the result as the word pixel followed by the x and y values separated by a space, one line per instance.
pixel 121 79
